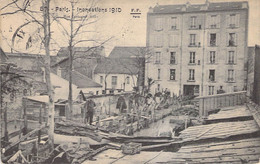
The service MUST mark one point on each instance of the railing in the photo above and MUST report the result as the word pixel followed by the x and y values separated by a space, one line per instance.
pixel 214 102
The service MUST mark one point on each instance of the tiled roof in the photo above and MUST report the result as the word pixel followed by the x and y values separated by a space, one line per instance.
pixel 163 9
pixel 117 66
pixel 126 52
pixel 82 81
pixel 80 51
pixel 3 56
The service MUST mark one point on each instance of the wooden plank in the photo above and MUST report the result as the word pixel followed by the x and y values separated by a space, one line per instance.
pixel 255 112
pixel 247 143
pixel 222 130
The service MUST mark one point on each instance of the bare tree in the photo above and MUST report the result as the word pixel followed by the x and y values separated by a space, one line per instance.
pixel 78 25
pixel 23 6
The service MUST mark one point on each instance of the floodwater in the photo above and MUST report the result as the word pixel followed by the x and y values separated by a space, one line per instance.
pixel 161 126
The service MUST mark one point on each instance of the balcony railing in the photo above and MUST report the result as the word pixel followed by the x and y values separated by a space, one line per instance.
pixel 214 102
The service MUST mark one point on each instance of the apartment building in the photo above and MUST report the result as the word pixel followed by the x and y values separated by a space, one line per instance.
pixel 198 48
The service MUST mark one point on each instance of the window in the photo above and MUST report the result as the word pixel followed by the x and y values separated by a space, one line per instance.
pixel 192 58
pixel 231 57
pixel 173 40
pixel 230 77
pixel 213 20
pixel 213 39
pixel 158 42
pixel 232 39
pixel 173 58
pixel 172 74
pixel 101 79
pixel 191 74
pixel 158 87
pixel 114 80
pixel 159 74
pixel 173 23
pixel 192 39
pixel 211 90
pixel 59 72
pixel 193 22
pixel 232 21
pixel 157 57
pixel 211 75
pixel 158 24
pixel 127 80
pixel 212 57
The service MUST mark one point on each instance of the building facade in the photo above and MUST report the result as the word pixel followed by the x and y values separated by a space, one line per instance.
pixel 197 49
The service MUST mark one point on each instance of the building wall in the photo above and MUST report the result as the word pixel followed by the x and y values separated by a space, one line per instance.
pixel 122 83
pixel 202 50
pixel 256 94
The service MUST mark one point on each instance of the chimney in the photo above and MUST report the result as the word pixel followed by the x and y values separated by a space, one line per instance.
pixel 207 3
pixel 187 4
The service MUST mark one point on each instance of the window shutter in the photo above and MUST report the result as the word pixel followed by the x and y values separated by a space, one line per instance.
pixel 227 20
pixel 218 21
pixel 236 43
pixel 217 39
pixel 207 75
pixel 227 54
pixel 170 23
pixel 177 22
pixel 226 78
pixel 227 38
pixel 208 42
pixel 237 20
pixel 208 57
pixel 176 40
pixel 234 75
pixel 161 23
pixel 235 57
pixel 161 40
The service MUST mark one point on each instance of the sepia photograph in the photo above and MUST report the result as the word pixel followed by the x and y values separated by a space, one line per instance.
pixel 130 81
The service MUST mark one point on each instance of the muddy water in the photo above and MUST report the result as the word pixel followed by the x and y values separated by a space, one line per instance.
pixel 158 127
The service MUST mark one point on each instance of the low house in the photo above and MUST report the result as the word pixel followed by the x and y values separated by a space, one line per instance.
pixel 116 74
pixel 123 69
pixel 84 59
pixel 138 55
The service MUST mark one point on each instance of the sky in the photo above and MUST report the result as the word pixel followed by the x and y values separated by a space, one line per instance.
pixel 118 28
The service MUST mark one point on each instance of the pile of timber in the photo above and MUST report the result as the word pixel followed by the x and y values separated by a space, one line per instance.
pixel 236 113
pixel 77 129
pixel 220 130
pixel 76 153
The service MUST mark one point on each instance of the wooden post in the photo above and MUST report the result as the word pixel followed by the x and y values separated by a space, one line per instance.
pixel 40 122
pixel 25 117
pixel 5 120
pixel 109 106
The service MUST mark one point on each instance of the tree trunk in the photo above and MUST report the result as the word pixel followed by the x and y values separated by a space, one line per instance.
pixel 6 131
pixel 47 35
pixel 70 86
pixel 70 100
pixel 25 117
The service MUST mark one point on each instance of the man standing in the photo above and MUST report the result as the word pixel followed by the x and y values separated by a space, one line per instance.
pixel 89 106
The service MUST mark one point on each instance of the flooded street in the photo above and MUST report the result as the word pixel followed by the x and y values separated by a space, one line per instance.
pixel 161 126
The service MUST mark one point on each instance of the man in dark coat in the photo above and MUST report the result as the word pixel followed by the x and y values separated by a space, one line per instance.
pixel 121 104
pixel 89 106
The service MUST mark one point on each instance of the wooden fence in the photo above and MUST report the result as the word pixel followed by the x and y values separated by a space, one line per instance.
pixel 214 102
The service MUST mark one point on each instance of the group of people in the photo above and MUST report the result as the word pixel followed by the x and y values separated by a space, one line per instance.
pixel 148 102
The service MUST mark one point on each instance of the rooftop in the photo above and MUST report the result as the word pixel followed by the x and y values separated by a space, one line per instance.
pixel 164 9
pixel 82 81
pixel 117 66
pixel 126 52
